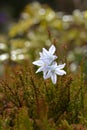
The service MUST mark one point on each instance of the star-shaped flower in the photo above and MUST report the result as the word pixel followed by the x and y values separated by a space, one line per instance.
pixel 55 70
pixel 48 55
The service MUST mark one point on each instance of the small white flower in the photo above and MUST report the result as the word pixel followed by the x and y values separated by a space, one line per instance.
pixel 48 56
pixel 55 70
pixel 48 66
pixel 46 59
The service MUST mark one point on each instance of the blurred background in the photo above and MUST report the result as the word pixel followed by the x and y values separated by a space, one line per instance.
pixel 25 27
pixel 11 9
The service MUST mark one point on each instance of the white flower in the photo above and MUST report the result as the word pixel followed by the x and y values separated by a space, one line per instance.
pixel 48 65
pixel 55 70
pixel 47 56
pixel 46 59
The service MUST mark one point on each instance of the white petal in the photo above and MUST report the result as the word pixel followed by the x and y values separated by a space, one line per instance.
pixel 54 64
pixel 52 49
pixel 45 52
pixel 38 63
pixel 39 70
pixel 61 66
pixel 48 75
pixel 54 78
pixel 60 72
pixel 44 74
